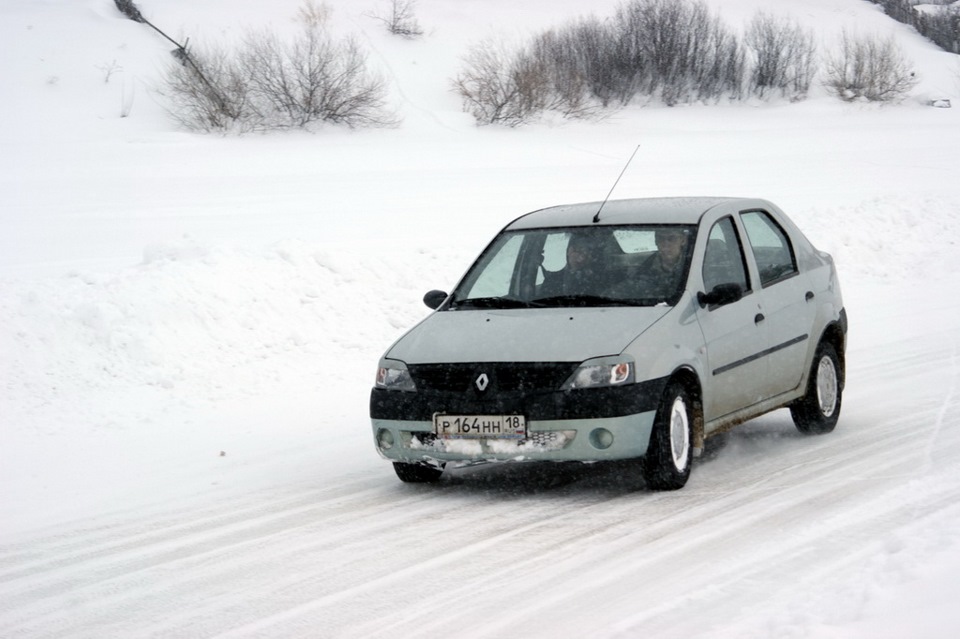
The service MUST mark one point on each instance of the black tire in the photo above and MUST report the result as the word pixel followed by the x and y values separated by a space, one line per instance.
pixel 817 412
pixel 417 473
pixel 670 453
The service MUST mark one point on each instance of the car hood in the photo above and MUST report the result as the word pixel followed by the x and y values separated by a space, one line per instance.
pixel 524 335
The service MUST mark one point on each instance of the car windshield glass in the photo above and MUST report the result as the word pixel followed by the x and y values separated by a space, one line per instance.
pixel 636 265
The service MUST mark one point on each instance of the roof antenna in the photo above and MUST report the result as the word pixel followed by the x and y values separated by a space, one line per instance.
pixel 596 218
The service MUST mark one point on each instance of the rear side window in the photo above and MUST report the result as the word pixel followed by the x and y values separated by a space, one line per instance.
pixel 771 247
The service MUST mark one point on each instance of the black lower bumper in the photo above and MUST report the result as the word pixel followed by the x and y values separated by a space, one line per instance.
pixel 615 401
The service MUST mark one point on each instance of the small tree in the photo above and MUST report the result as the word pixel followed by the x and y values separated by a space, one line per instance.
pixel 313 15
pixel 783 56
pixel 870 69
pixel 311 79
pixel 498 87
pixel 675 50
pixel 270 85
pixel 400 19
pixel 208 92
pixel 572 59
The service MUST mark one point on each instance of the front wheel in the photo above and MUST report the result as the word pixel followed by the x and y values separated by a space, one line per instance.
pixel 417 473
pixel 817 412
pixel 669 455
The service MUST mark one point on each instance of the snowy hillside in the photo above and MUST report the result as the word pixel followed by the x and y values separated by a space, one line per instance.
pixel 189 326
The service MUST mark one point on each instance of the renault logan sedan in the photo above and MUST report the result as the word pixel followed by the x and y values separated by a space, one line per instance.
pixel 631 329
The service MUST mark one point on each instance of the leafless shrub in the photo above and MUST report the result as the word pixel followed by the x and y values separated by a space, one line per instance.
pixel 313 15
pixel 270 84
pixel 498 86
pixel 589 50
pixel 784 57
pixel 573 61
pixel 400 18
pixel 109 69
pixel 312 79
pixel 209 91
pixel 675 50
pixel 869 68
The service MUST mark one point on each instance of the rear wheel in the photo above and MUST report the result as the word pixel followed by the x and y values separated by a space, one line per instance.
pixel 817 412
pixel 669 455
pixel 417 473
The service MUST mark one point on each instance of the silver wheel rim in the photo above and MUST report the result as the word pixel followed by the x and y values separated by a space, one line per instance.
pixel 827 386
pixel 679 434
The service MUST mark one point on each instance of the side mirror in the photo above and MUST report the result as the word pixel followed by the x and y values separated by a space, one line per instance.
pixel 721 295
pixel 433 299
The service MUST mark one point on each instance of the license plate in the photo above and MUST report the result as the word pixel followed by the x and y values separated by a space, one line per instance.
pixel 480 426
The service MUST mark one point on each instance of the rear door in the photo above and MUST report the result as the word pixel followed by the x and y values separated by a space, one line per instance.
pixel 786 298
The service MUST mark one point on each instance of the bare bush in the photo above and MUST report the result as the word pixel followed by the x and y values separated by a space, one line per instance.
pixel 209 91
pixel 499 86
pixel 576 62
pixel 400 18
pixel 870 69
pixel 784 57
pixel 313 15
pixel 675 50
pixel 311 79
pixel 109 69
pixel 270 84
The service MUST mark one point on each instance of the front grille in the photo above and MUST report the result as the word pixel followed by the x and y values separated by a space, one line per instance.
pixel 504 377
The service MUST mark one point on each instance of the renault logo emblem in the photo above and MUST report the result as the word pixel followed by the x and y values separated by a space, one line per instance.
pixel 482 382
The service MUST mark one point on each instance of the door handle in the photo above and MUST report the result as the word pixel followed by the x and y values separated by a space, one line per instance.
pixel 759 318
pixel 809 296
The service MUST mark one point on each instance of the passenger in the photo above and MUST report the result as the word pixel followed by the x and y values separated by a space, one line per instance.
pixel 664 268
pixel 583 273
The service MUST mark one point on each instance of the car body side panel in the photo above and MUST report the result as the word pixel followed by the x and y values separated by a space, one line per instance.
pixel 736 365
pixel 788 317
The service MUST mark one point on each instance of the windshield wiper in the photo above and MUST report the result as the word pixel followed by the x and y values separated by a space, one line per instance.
pixel 493 302
pixel 587 300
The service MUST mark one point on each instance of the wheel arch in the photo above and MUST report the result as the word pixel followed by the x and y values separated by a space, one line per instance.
pixel 835 334
pixel 690 382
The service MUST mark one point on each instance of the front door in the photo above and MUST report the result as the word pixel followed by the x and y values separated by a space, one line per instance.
pixel 735 334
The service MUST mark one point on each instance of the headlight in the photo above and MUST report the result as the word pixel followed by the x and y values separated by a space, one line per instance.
pixel 393 375
pixel 601 372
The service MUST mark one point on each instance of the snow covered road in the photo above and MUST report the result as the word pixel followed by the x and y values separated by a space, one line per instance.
pixel 544 551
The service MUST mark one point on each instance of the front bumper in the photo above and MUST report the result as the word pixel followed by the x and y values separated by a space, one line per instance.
pixel 559 440
pixel 580 425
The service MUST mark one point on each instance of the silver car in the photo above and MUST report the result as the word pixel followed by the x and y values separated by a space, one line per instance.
pixel 630 329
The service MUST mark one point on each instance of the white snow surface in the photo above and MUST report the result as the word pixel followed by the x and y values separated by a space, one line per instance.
pixel 189 326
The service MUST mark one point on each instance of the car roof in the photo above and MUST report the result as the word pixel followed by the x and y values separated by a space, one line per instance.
pixel 669 210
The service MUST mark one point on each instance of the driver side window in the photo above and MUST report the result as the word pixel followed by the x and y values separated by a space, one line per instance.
pixel 723 262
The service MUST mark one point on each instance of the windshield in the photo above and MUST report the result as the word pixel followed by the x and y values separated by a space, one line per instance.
pixel 637 265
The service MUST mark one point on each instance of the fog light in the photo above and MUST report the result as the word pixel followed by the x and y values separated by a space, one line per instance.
pixel 384 439
pixel 601 438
